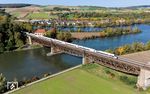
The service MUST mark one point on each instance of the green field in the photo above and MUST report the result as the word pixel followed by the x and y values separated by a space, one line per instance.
pixel 91 79
pixel 41 15
pixel 16 14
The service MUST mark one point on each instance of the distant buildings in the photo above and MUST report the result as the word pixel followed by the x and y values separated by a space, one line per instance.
pixel 40 32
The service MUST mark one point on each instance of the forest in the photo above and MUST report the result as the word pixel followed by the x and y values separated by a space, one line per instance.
pixel 11 36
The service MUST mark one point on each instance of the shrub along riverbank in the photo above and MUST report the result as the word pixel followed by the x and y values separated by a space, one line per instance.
pixel 64 36
pixel 24 82
pixel 110 32
pixel 130 48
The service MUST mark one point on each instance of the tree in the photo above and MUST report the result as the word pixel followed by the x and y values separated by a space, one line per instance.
pixel 136 29
pixel 60 35
pixel 19 43
pixel 18 40
pixel 148 45
pixel 9 45
pixel 10 33
pixel 27 27
pixel 127 48
pixel 120 50
pixel 65 36
pixel 2 83
pixel 2 48
pixel 50 34
pixel 138 47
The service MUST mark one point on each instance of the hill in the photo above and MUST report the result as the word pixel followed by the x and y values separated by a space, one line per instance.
pixel 136 7
pixel 14 5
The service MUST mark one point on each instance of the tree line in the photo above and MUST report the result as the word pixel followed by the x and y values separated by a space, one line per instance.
pixel 11 36
pixel 111 32
pixel 108 32
pixel 64 36
pixel 130 48
pixel 14 5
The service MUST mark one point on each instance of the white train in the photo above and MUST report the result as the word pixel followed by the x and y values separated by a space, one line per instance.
pixel 77 46
pixel 108 54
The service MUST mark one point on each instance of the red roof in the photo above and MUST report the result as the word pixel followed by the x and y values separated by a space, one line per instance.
pixel 40 31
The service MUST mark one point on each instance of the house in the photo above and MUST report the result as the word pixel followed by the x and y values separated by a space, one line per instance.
pixel 40 32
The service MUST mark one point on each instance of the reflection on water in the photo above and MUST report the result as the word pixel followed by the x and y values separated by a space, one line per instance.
pixel 26 64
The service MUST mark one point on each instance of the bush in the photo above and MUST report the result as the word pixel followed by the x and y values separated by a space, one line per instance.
pixel 65 36
pixel 127 80
pixel 2 83
pixel 109 32
pixel 107 71
pixel 51 34
pixel 112 75
pixel 130 48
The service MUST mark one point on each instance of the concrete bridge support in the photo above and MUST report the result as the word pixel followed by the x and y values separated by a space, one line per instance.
pixel 144 79
pixel 29 39
pixel 54 51
pixel 85 60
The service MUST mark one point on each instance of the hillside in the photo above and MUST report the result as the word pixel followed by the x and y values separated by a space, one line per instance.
pixel 14 5
pixel 142 6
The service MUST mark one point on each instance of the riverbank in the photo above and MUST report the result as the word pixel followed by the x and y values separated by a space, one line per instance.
pixel 33 46
pixel 88 79
pixel 130 48
pixel 107 32
pixel 89 35
pixel 24 48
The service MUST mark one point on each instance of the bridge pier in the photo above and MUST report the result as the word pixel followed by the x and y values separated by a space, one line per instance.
pixel 144 79
pixel 54 51
pixel 85 60
pixel 30 41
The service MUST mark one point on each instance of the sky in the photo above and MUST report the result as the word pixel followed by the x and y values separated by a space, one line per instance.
pixel 106 3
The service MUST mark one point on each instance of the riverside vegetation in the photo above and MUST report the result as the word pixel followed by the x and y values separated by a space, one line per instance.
pixel 64 36
pixel 130 48
pixel 11 36
pixel 108 32
pixel 111 32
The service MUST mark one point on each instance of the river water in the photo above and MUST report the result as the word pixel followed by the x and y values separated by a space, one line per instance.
pixel 27 64
pixel 113 42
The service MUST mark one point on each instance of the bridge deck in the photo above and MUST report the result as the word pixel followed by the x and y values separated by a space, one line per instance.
pixel 143 56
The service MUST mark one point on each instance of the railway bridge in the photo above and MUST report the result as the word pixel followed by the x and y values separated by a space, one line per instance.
pixel 103 58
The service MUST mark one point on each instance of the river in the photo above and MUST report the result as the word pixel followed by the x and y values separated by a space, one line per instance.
pixel 27 64
pixel 113 42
